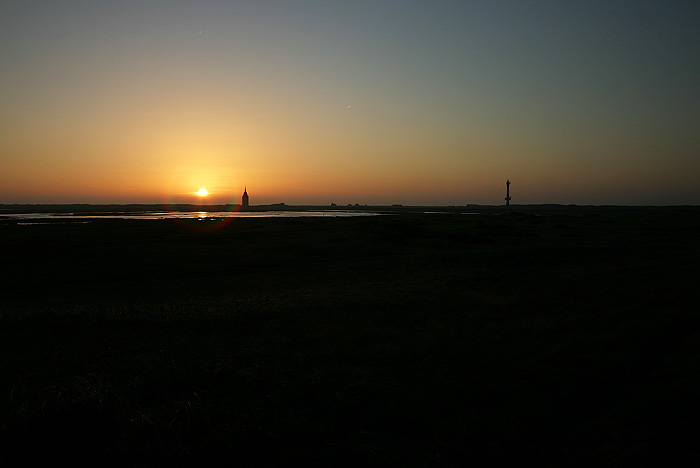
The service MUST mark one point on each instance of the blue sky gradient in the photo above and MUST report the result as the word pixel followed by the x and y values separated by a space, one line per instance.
pixel 350 102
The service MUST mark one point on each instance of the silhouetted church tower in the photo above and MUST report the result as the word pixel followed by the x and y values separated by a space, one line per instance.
pixel 507 192
pixel 244 201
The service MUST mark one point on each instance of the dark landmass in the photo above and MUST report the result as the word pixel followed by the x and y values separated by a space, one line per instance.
pixel 93 209
pixel 140 208
pixel 552 335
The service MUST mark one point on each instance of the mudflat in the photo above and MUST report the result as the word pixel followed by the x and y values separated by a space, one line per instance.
pixel 565 336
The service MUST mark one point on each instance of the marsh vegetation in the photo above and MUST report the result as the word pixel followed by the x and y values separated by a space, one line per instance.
pixel 567 336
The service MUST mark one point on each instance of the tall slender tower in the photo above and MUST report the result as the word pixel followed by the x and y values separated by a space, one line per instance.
pixel 507 192
pixel 244 201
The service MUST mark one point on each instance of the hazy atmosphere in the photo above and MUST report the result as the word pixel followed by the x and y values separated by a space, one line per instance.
pixel 319 102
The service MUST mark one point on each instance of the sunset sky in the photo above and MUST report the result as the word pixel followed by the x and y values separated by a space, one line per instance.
pixel 370 102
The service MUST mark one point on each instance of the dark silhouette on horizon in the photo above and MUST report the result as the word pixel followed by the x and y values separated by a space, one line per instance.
pixel 245 200
pixel 508 192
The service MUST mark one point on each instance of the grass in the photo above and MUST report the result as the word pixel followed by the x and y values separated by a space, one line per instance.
pixel 556 337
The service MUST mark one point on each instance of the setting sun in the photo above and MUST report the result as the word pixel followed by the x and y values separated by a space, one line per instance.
pixel 202 192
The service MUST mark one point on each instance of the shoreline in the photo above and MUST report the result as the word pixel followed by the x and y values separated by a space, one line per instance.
pixel 80 208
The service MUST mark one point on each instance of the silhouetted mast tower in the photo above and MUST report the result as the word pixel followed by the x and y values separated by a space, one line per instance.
pixel 507 192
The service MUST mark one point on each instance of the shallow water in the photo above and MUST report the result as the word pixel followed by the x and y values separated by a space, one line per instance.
pixel 190 215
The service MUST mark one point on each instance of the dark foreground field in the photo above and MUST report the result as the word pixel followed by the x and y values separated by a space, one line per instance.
pixel 566 337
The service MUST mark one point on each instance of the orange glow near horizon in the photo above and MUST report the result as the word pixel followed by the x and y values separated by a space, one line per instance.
pixel 109 104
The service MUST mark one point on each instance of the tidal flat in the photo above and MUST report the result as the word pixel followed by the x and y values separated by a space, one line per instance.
pixel 561 336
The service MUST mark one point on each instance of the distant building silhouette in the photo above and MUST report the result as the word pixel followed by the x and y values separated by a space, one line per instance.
pixel 244 201
pixel 507 192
